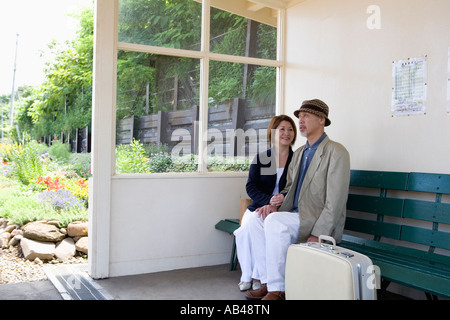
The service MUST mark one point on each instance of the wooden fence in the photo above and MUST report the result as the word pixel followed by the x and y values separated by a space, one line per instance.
pixel 233 128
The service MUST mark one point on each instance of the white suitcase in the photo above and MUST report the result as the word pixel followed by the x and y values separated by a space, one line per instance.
pixel 319 271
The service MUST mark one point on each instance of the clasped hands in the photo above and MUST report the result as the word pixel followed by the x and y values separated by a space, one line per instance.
pixel 273 205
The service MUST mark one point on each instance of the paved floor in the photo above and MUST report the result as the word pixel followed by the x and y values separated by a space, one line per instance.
pixel 206 283
pixel 64 283
pixel 37 290
pixel 73 283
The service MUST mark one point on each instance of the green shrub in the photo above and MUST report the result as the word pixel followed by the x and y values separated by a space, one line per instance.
pixel 28 165
pixel 131 158
pixel 187 163
pixel 81 164
pixel 228 164
pixel 59 151
pixel 161 162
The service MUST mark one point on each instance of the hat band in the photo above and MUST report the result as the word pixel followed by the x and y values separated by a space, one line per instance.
pixel 315 108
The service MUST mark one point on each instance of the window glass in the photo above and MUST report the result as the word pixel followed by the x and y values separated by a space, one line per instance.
pixel 163 23
pixel 241 105
pixel 158 95
pixel 157 109
pixel 235 35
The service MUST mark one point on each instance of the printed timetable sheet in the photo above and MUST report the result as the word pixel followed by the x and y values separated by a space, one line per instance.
pixel 410 86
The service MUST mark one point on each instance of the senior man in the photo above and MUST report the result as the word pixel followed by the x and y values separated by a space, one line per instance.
pixel 313 202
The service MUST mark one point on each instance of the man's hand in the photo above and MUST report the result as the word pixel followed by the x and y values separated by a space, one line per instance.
pixel 266 210
pixel 312 239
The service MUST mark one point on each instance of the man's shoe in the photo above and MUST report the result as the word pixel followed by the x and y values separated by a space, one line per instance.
pixel 257 294
pixel 274 295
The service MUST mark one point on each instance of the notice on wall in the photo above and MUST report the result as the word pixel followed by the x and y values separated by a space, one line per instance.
pixel 410 86
pixel 448 83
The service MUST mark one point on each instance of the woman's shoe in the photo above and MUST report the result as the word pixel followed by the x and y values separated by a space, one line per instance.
pixel 244 286
pixel 256 285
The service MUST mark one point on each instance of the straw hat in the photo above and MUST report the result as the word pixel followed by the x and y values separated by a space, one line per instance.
pixel 317 107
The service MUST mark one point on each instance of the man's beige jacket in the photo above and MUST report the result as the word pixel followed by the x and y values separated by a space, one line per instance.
pixel 323 195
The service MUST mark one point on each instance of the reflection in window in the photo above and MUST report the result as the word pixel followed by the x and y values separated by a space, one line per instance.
pixel 235 35
pixel 241 105
pixel 156 110
pixel 163 23
pixel 158 95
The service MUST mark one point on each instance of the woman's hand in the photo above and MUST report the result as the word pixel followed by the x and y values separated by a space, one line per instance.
pixel 277 199
pixel 266 210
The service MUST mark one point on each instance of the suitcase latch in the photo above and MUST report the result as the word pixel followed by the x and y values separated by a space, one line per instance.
pixel 346 254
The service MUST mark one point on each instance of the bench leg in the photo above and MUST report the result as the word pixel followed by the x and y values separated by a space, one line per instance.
pixel 382 291
pixel 233 259
pixel 431 296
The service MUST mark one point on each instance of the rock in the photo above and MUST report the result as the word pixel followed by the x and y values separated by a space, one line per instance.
pixel 42 231
pixel 15 240
pixel 53 222
pixel 3 223
pixel 10 228
pixel 4 239
pixel 65 249
pixel 37 249
pixel 16 232
pixel 77 229
pixel 82 245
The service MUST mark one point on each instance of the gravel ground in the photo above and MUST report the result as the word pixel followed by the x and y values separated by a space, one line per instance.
pixel 14 268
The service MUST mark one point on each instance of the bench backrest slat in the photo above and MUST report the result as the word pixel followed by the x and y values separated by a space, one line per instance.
pixel 426 237
pixel 427 211
pixel 436 212
pixel 381 229
pixel 385 206
pixel 429 182
pixel 379 179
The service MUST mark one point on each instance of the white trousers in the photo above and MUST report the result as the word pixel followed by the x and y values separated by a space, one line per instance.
pixel 262 247
pixel 244 249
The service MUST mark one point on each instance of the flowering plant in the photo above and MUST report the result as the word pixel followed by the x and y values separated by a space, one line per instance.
pixel 67 180
pixel 61 199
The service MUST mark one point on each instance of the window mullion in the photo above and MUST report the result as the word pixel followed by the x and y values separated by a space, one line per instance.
pixel 204 85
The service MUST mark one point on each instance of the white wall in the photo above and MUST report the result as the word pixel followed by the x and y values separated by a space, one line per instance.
pixel 332 55
pixel 167 222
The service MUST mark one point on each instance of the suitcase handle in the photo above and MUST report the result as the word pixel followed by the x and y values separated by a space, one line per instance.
pixel 328 238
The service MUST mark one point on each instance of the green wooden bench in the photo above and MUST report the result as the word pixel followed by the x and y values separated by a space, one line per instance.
pixel 228 226
pixel 398 219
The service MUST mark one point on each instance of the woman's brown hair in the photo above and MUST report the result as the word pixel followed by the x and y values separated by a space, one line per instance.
pixel 275 122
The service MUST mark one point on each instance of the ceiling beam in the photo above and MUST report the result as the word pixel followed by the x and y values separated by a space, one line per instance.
pixel 274 4
pixel 251 6
pixel 240 7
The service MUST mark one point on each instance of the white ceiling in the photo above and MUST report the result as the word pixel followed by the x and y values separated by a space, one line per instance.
pixel 265 11
pixel 275 4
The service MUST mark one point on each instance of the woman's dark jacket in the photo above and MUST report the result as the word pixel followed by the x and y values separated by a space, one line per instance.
pixel 262 178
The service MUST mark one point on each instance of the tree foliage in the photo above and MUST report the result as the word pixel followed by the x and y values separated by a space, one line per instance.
pixel 63 102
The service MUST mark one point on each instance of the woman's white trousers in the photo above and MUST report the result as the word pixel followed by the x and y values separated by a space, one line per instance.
pixel 262 246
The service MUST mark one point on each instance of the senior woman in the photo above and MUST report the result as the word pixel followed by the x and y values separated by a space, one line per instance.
pixel 267 176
